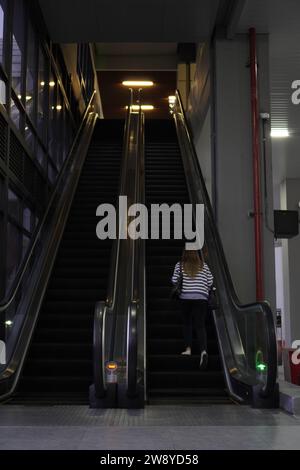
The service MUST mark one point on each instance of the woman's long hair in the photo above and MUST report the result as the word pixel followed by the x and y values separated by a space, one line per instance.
pixel 191 262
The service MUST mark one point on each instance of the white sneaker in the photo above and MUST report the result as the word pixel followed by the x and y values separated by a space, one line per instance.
pixel 187 352
pixel 203 360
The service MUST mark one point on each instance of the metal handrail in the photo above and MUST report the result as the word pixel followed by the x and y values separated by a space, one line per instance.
pixel 138 266
pixel 268 388
pixel 123 300
pixel 6 302
pixel 132 349
pixel 112 284
pixel 101 308
pixel 98 350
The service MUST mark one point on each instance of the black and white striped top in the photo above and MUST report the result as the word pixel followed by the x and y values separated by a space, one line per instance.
pixel 197 287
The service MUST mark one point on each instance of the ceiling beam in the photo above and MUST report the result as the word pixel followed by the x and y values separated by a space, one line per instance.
pixel 136 62
pixel 234 18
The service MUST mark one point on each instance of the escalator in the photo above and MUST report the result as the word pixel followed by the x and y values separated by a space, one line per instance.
pixel 143 364
pixel 170 376
pixel 58 367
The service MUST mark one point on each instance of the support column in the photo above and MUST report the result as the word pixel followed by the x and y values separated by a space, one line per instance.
pixel 256 165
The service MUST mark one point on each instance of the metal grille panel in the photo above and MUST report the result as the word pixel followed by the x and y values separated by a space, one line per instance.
pixel 16 157
pixel 3 138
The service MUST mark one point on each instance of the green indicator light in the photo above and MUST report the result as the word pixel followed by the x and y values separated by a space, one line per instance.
pixel 261 367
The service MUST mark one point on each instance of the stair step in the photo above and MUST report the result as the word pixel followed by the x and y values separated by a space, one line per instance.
pixel 61 367
pixel 171 331
pixel 55 383
pixel 76 350
pixel 185 378
pixel 72 294
pixel 176 346
pixel 65 319
pixel 210 392
pixel 177 362
pixel 69 335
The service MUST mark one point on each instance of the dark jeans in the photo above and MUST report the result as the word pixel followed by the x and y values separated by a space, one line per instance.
pixel 194 314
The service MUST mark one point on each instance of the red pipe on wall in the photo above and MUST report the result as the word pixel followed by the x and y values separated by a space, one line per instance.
pixel 256 167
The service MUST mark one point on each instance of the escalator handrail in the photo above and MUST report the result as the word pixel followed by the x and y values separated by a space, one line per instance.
pixel 8 299
pixel 98 352
pixel 268 388
pixel 132 351
pixel 101 308
pixel 112 283
pixel 138 267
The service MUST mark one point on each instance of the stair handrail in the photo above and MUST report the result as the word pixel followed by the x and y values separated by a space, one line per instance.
pixel 136 309
pixel 100 335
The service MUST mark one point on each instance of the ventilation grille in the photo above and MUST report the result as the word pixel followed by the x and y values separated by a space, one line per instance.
pixel 25 170
pixel 16 157
pixel 3 138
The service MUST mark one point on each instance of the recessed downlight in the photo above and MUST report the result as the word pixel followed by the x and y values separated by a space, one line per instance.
pixel 144 107
pixel 137 83
pixel 280 133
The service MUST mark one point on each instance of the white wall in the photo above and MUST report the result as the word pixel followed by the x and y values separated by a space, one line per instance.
pixel 234 167
pixel 290 197
pixel 199 113
pixel 202 141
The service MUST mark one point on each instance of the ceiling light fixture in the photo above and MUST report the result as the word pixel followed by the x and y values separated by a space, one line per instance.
pixel 137 83
pixel 144 107
pixel 279 133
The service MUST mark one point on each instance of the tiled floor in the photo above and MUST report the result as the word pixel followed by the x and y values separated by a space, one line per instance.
pixel 155 427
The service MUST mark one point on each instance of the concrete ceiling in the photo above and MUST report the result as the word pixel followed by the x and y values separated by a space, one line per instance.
pixel 164 23
pixel 136 56
pixel 281 20
pixel 130 20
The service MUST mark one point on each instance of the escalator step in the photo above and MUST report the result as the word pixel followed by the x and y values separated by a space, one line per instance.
pixel 160 362
pixel 171 376
pixel 185 378
pixel 58 367
pixel 208 392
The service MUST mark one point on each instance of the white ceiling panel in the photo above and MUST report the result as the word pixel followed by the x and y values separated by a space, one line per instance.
pixel 130 20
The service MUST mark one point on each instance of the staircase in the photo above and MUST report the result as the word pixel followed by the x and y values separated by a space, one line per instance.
pixel 170 376
pixel 59 363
